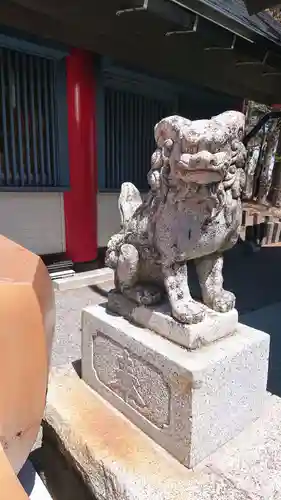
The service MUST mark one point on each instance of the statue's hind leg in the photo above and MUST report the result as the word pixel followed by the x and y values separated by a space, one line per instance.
pixel 127 276
pixel 209 270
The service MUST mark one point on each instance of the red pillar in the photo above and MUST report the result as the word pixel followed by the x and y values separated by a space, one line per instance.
pixel 80 203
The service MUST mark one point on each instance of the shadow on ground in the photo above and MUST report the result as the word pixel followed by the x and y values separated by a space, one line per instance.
pixel 255 278
pixel 56 472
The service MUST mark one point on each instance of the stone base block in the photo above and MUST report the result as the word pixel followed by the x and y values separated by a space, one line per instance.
pixel 158 318
pixel 189 402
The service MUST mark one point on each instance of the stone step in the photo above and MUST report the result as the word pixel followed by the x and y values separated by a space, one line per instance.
pixel 80 280
pixel 118 461
pixel 105 287
pixel 62 274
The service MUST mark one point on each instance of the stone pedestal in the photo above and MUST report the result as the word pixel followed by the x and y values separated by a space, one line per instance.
pixel 158 318
pixel 189 402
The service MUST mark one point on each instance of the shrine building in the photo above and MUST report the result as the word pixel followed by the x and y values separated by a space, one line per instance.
pixel 82 85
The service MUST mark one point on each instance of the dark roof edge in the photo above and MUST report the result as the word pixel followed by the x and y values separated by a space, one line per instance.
pixel 256 6
pixel 236 26
pixel 216 17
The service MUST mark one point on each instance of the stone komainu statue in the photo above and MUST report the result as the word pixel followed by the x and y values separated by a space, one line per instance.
pixel 192 212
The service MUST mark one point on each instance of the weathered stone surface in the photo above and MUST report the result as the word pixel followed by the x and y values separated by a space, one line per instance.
pixel 116 459
pixel 158 318
pixel 27 321
pixel 252 461
pixel 192 212
pixel 191 403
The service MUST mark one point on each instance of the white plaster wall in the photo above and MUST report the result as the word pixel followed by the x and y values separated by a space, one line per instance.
pixel 34 220
pixel 108 217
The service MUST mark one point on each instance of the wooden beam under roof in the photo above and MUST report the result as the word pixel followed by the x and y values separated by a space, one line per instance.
pixel 255 6
pixel 138 39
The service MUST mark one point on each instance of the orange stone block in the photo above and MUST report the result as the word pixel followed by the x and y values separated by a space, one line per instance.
pixel 27 321
pixel 10 487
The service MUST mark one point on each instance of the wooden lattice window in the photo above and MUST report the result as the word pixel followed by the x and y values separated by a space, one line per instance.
pixel 33 130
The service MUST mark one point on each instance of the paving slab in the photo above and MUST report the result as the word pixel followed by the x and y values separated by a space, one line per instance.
pixel 119 462
pixel 67 340
pixel 252 461
pixel 80 280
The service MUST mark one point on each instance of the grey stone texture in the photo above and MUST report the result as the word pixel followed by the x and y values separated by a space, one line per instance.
pixel 189 402
pixel 158 318
pixel 192 212
pixel 117 461
pixel 67 339
pixel 252 461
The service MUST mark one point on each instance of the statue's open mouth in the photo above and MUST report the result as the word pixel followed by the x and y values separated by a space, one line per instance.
pixel 201 168
pixel 206 175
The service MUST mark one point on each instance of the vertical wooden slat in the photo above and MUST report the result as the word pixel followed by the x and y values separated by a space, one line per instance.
pixel 123 133
pixel 275 229
pixel 53 128
pixel 256 227
pixel 112 142
pixel 132 140
pixel 146 141
pixel 107 139
pixel 152 112
pixel 117 139
pixel 243 225
pixel 28 120
pixel 149 107
pixel 136 140
pixel 39 85
pixel 4 120
pixel 131 172
pixel 113 139
pixel 130 167
pixel 19 123
pixel 127 137
pixel 33 121
pixel 130 116
pixel 27 160
pixel 278 232
pixel 269 232
pixel 47 123
pixel 139 141
pixel 12 142
pixel 2 175
pixel 104 184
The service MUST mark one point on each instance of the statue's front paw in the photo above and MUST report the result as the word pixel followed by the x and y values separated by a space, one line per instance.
pixel 223 302
pixel 188 312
